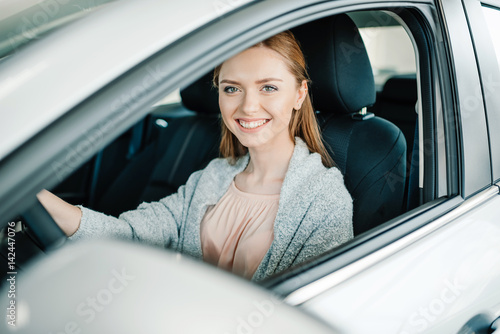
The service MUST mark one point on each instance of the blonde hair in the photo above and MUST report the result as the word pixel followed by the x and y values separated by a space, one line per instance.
pixel 303 123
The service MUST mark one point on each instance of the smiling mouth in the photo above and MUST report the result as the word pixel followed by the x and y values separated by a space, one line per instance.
pixel 252 125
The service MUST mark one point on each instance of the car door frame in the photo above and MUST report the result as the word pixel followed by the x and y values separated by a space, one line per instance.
pixel 489 70
pixel 325 273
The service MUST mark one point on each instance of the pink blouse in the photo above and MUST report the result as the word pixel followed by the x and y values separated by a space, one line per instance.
pixel 237 232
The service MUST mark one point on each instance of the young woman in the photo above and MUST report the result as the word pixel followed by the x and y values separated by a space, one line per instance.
pixel 274 200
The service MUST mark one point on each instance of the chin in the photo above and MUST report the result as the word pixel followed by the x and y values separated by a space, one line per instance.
pixel 253 142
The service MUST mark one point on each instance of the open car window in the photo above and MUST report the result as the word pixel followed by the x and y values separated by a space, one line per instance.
pixel 154 157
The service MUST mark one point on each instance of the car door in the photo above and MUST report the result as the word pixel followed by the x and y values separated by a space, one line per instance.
pixel 443 276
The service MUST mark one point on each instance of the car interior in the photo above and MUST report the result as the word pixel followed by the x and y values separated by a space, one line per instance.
pixel 370 130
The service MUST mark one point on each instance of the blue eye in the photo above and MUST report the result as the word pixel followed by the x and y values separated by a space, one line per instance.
pixel 230 89
pixel 269 88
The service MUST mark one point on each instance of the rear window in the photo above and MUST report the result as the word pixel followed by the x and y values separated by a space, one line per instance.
pixel 387 43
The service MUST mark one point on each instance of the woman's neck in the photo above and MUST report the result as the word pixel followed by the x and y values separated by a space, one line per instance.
pixel 269 163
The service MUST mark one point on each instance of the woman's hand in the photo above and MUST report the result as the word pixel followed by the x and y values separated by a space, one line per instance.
pixel 67 216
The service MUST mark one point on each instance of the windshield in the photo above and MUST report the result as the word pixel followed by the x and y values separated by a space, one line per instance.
pixel 23 21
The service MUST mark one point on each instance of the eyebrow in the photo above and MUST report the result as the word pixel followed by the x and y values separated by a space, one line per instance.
pixel 257 82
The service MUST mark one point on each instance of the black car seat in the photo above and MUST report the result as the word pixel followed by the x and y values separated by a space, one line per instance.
pixel 180 139
pixel 370 151
pixel 194 143
pixel 397 104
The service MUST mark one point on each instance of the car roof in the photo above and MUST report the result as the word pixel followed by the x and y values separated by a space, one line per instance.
pixel 47 77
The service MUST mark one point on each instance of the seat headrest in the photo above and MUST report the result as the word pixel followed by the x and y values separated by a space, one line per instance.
pixel 402 88
pixel 201 96
pixel 338 65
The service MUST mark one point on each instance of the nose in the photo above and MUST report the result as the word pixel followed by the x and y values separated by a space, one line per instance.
pixel 250 103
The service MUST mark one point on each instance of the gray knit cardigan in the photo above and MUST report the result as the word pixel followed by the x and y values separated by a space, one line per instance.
pixel 314 213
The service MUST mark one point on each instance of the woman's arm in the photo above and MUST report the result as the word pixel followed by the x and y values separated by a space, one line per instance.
pixel 67 216
pixel 155 223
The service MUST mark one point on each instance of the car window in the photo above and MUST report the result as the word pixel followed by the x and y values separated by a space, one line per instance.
pixel 388 45
pixel 492 16
pixel 174 129
pixel 410 96
pixel 153 158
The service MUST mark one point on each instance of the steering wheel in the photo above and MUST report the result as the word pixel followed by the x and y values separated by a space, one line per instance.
pixel 44 229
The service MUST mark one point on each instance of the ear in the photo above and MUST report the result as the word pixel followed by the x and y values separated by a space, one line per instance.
pixel 301 95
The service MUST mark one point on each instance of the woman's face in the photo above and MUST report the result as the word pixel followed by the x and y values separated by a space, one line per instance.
pixel 257 94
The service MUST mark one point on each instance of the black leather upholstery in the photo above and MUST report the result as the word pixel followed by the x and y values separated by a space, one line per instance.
pixel 371 152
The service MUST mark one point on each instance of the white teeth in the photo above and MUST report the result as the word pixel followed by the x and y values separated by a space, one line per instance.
pixel 252 125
